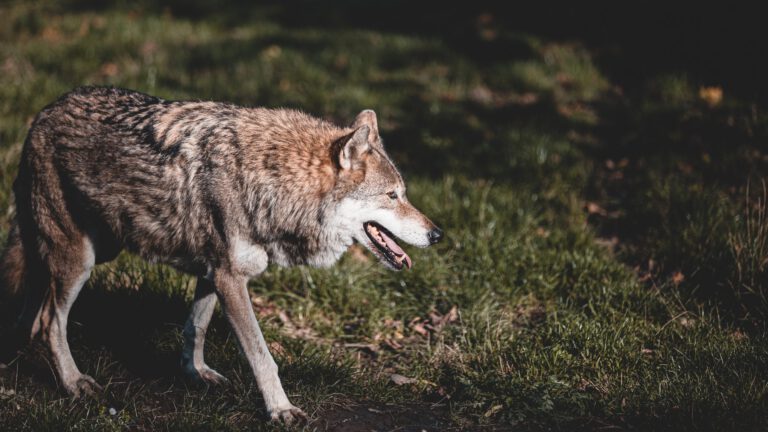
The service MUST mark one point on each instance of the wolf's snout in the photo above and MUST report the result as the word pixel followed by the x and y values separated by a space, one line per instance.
pixel 435 235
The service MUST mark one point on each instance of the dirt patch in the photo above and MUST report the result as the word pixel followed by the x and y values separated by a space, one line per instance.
pixel 387 417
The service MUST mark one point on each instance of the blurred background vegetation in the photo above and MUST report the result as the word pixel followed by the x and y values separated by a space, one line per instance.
pixel 599 170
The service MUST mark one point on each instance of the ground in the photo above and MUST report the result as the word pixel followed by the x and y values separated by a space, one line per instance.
pixel 603 199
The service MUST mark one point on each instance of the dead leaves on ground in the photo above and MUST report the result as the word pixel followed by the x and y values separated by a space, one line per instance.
pixel 651 272
pixel 438 322
pixel 294 331
pixel 393 335
pixel 434 324
pixel 265 309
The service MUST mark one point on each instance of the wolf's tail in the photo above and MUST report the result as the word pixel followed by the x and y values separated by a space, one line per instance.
pixel 13 265
pixel 13 272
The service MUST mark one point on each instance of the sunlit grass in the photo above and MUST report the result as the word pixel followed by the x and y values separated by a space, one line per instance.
pixel 520 317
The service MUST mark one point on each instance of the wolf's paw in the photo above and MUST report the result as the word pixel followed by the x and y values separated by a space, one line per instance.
pixel 289 416
pixel 206 376
pixel 84 385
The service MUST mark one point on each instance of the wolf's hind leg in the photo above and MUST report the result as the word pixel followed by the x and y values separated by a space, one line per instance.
pixel 68 270
pixel 192 358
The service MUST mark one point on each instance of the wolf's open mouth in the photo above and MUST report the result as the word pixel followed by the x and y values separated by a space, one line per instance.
pixel 383 241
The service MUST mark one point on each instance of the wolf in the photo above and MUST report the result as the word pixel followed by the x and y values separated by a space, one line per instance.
pixel 215 190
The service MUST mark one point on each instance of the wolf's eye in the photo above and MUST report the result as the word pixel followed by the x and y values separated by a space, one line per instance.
pixel 392 195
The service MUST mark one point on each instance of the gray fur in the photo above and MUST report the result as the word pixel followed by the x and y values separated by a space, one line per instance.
pixel 213 189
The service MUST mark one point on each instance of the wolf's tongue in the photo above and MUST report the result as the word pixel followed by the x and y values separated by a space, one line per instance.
pixel 408 262
pixel 394 247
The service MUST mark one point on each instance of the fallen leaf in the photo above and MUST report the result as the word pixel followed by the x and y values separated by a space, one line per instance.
pixel 85 27
pixel 594 208
pixel 419 328
pixel 51 35
pixel 527 98
pixel 616 175
pixel 644 276
pixel 678 277
pixel 712 96
pixel 393 323
pixel 684 167
pixel 6 393
pixel 442 391
pixel 438 322
pixel 738 335
pixel 395 345
pixel 294 331
pixel 452 314
pixel 563 78
pixel 584 385
pixel 277 349
pixel 109 69
pixel 272 52
pixel 401 380
pixel 262 307
pixel 481 95
pixel 494 409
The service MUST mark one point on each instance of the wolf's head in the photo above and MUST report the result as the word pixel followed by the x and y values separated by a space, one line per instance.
pixel 372 205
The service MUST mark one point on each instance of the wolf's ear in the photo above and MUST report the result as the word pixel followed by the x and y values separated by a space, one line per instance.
pixel 368 118
pixel 356 145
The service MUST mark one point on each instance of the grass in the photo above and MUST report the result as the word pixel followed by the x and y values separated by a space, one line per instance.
pixel 605 260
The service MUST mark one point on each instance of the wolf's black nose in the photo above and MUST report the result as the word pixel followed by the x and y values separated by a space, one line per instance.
pixel 435 235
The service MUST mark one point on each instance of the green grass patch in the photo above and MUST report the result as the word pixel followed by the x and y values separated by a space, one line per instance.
pixel 604 264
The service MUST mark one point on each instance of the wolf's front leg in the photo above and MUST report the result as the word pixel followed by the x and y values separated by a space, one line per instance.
pixel 192 358
pixel 233 293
